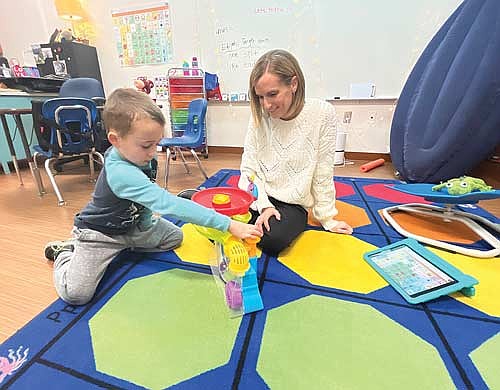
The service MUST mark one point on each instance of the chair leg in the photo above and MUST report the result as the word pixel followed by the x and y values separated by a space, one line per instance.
pixel 179 151
pixel 198 162
pixel 91 166
pixel 40 184
pixel 91 163
pixel 167 166
pixel 100 156
pixel 60 199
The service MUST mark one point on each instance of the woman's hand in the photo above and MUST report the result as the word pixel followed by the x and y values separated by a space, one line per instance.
pixel 341 227
pixel 243 230
pixel 263 218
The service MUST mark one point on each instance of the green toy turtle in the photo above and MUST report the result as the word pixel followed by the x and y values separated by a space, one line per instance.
pixel 463 185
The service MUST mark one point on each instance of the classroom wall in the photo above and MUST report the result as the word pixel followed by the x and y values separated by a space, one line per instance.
pixel 23 22
pixel 337 42
pixel 193 23
pixel 368 130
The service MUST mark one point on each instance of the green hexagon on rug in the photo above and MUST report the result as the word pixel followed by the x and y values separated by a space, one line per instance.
pixel 164 328
pixel 315 343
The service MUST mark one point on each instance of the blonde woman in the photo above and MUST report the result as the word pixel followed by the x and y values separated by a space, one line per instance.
pixel 288 153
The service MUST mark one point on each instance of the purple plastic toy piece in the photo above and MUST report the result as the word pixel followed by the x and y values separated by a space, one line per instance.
pixel 234 297
pixel 222 267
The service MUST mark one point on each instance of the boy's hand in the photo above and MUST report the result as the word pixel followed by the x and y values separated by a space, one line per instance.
pixel 243 230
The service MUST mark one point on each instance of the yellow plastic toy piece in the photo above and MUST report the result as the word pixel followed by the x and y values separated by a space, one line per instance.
pixel 214 234
pixel 221 199
pixel 237 252
pixel 220 236
pixel 237 255
pixel 251 246
pixel 242 217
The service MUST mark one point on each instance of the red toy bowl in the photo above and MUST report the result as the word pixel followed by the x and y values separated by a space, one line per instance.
pixel 225 200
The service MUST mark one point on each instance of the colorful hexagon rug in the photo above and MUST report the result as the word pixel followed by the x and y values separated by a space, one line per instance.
pixel 329 321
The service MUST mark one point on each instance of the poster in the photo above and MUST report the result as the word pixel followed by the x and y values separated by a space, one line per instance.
pixel 143 35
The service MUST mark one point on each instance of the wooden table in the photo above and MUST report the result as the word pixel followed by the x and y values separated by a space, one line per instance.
pixel 17 115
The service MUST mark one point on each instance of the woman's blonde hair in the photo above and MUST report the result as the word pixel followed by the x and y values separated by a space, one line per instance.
pixel 126 105
pixel 284 65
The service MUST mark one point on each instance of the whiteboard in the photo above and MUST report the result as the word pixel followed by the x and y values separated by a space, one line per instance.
pixel 337 42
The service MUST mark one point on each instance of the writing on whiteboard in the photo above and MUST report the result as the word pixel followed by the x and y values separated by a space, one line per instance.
pixel 239 52
pixel 272 10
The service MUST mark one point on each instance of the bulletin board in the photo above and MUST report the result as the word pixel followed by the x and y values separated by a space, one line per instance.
pixel 143 34
pixel 337 42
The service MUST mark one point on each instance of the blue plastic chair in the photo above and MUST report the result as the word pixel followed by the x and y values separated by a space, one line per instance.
pixel 89 88
pixel 191 138
pixel 71 135
pixel 82 87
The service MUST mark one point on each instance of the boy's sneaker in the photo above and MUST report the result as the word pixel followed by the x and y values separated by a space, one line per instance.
pixel 188 193
pixel 53 248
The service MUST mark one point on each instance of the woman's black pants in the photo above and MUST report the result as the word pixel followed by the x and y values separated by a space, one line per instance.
pixel 283 232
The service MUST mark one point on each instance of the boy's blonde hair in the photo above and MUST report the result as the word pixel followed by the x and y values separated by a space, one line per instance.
pixel 126 105
pixel 284 65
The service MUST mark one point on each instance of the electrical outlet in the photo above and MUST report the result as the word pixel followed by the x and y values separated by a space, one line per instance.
pixel 347 116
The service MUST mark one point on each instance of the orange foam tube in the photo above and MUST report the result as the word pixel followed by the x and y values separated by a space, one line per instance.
pixel 372 164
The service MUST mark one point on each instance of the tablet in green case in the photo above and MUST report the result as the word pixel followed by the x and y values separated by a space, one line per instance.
pixel 418 274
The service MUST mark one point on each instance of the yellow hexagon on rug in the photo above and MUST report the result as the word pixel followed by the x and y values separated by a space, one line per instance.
pixel 486 271
pixel 195 247
pixel 337 262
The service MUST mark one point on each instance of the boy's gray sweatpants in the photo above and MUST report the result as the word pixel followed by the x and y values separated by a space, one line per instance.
pixel 77 273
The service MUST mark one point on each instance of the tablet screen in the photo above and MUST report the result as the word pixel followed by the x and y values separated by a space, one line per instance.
pixel 411 271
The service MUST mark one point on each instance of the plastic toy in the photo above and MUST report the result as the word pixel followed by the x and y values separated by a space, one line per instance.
pixel 463 185
pixel 371 165
pixel 252 188
pixel 144 85
pixel 234 268
pixel 480 226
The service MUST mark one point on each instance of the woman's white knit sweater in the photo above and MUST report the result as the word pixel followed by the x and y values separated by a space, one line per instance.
pixel 292 161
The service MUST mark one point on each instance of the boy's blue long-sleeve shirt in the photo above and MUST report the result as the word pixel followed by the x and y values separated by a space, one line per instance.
pixel 125 197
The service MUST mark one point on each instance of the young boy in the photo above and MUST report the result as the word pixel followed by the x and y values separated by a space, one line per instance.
pixel 120 213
